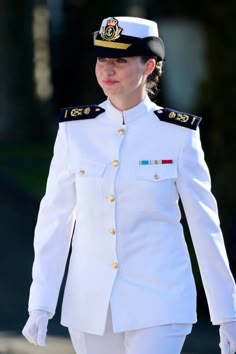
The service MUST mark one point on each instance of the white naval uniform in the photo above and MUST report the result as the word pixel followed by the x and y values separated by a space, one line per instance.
pixel 128 247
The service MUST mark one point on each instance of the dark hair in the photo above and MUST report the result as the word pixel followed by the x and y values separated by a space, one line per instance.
pixel 153 79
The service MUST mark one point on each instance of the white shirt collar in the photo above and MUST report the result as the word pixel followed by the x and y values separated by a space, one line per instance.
pixel 130 115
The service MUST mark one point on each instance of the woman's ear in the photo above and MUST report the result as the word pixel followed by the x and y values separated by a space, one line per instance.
pixel 150 66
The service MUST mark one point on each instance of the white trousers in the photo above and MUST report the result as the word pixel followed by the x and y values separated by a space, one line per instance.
pixel 167 339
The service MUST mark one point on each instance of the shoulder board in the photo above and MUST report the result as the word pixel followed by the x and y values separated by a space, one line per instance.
pixel 183 119
pixel 80 112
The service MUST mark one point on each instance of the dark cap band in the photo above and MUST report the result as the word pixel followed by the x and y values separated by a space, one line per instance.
pixel 128 46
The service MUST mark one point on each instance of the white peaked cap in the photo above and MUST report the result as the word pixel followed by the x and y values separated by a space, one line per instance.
pixel 126 37
pixel 135 26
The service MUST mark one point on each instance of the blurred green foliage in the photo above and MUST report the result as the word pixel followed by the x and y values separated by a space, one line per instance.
pixel 26 166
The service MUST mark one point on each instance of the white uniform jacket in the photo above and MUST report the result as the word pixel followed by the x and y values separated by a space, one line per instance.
pixel 120 175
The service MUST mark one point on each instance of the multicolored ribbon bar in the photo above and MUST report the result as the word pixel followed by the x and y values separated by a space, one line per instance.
pixel 155 162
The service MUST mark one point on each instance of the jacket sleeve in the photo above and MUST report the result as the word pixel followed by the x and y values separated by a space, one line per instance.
pixel 54 229
pixel 201 212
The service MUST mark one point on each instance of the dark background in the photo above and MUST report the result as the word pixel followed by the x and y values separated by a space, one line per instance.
pixel 44 65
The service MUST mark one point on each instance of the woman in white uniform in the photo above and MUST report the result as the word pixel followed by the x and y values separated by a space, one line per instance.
pixel 119 170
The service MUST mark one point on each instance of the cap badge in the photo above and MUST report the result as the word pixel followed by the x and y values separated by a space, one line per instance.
pixel 111 31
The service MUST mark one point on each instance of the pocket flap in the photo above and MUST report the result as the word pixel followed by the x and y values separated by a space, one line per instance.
pixel 157 172
pixel 87 168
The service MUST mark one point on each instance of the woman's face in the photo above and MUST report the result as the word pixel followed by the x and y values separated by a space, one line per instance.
pixel 123 80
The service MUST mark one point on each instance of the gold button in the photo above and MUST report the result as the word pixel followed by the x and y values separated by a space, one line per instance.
pixel 114 265
pixel 81 172
pixel 156 176
pixel 121 131
pixel 112 231
pixel 115 163
pixel 111 198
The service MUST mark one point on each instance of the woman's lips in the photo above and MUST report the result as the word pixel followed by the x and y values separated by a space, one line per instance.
pixel 109 82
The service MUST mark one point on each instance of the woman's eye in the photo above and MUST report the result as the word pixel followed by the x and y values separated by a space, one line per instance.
pixel 101 59
pixel 121 60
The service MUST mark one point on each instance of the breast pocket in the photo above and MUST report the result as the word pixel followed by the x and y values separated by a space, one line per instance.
pixel 88 182
pixel 156 188
pixel 156 173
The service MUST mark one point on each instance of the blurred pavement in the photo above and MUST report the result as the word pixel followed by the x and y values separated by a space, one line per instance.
pixel 10 344
pixel 203 340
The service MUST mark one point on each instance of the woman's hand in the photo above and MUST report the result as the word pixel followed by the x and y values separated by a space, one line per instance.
pixel 35 330
pixel 228 337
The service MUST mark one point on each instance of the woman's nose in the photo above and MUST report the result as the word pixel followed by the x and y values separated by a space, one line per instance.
pixel 109 67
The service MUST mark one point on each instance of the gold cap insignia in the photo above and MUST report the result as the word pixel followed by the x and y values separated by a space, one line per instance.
pixel 111 31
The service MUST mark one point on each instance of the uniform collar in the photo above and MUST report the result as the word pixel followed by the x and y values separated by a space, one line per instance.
pixel 130 115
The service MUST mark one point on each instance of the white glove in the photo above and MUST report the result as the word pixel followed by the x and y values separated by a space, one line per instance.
pixel 228 337
pixel 35 330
